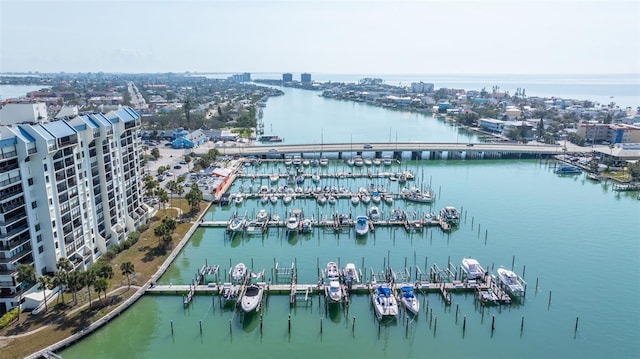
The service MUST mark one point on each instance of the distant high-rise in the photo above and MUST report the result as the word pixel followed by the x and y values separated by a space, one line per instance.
pixel 305 78
pixel 287 77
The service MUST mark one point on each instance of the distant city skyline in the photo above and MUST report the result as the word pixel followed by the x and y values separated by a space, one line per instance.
pixel 335 37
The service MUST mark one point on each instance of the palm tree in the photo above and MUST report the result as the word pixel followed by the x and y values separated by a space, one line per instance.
pixel 100 285
pixel 127 269
pixel 60 280
pixel 88 278
pixel 65 264
pixel 104 271
pixel 73 282
pixel 26 276
pixel 45 283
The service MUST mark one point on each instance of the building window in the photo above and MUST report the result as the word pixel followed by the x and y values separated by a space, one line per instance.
pixel 38 227
pixel 46 179
pixel 30 181
pixel 34 204
pixel 40 249
pixel 39 238
pixel 45 167
pixel 53 224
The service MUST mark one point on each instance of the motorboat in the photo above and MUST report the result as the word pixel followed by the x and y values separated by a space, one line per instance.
pixel 367 161
pixel 252 298
pixel 350 273
pixel 365 198
pixel 450 214
pixel 568 170
pixel 288 161
pixel 262 216
pixel 274 178
pixel 315 162
pixel 315 178
pixel 375 197
pixel 297 160
pixel 331 199
pixel 292 223
pixel 362 225
pixel 473 268
pixel 253 227
pixel 335 291
pixel 236 224
pixel 238 272
pixel 355 199
pixel 287 199
pixel 388 199
pixel 374 213
pixel 307 225
pixel 324 161
pixel 273 199
pixel 358 162
pixel 264 199
pixel 332 271
pixel 239 199
pixel 416 195
pixel 376 162
pixel 409 300
pixel 306 162
pixel 322 199
pixel 510 281
pixel 384 302
pixel 386 160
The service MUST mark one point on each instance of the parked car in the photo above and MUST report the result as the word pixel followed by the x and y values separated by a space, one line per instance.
pixel 177 167
pixel 368 146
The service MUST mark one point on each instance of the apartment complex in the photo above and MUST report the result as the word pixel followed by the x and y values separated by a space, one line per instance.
pixel 69 188
pixel 611 133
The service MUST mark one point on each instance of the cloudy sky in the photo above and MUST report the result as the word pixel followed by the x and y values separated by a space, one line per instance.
pixel 387 37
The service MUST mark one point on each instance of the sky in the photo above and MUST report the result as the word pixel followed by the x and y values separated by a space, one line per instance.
pixel 334 37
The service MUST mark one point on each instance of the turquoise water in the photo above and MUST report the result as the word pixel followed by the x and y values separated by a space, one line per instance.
pixel 578 238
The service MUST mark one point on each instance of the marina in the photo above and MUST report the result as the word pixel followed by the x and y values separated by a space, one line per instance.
pixel 500 225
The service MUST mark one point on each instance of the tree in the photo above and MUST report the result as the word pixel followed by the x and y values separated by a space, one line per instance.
pixel 155 152
pixel 104 271
pixel 540 129
pixel 163 196
pixel 60 280
pixel 88 278
pixel 26 277
pixel 74 284
pixel 194 197
pixel 45 282
pixel 100 285
pixel 127 269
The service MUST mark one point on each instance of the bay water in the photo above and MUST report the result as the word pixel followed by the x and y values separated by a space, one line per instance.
pixel 579 240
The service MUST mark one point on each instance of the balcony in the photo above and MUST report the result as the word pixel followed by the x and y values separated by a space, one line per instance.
pixel 13 232
pixel 9 245
pixel 11 205
pixel 10 181
pixel 15 257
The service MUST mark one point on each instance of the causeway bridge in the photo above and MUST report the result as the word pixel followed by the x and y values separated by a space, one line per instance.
pixel 398 150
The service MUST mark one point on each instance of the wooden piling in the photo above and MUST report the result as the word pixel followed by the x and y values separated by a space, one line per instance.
pixel 536 284
pixel 435 323
pixel 549 298
pixel 201 327
pixel 521 324
pixel 493 322
pixel 513 261
pixel 524 268
pixel 172 327
pixel 576 328
pixel 260 323
pixel 456 312
pixel 353 324
pixel 289 323
pixel 230 330
pixel 464 323
pixel 320 325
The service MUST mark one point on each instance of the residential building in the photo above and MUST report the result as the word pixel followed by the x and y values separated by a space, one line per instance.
pixel 287 77
pixel 69 188
pixel 421 87
pixel 491 124
pixel 305 78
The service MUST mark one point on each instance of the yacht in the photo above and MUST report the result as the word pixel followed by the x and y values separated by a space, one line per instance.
pixel 409 300
pixel 473 268
pixel 450 214
pixel 350 273
pixel 355 199
pixel 293 222
pixel 238 272
pixel 335 291
pixel 307 225
pixel 274 178
pixel 384 302
pixel 510 281
pixel 332 272
pixel 386 160
pixel 362 225
pixel 374 213
pixel 568 170
pixel 236 224
pixel 322 199
pixel 251 298
pixel 324 161
pixel 376 162
pixel 358 162
pixel 331 199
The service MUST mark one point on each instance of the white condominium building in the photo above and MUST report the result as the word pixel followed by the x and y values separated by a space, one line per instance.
pixel 69 188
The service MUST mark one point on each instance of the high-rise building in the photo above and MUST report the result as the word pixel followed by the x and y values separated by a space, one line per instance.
pixel 69 188
pixel 305 78
pixel 287 77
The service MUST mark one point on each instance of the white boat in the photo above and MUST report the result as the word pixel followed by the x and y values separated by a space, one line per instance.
pixel 293 222
pixel 350 162
pixel 384 302
pixel 262 216
pixel 375 197
pixel 264 199
pixel 239 199
pixel 287 199
pixel 350 273
pixel 362 225
pixel 306 162
pixel 307 225
pixel 288 161
pixel 388 199
pixel 332 271
pixel 386 160
pixel 237 224
pixel 510 281
pixel 376 162
pixel 473 268
pixel 324 161
pixel 374 213
pixel 367 161
pixel 252 227
pixel 416 195
pixel 274 178
pixel 450 214
pixel 322 199
pixel 331 199
pixel 273 199
pixel 358 162
pixel 409 300
pixel 335 292
pixel 297 160
pixel 315 178
pixel 251 298
pixel 355 199
pixel 238 272
pixel 365 198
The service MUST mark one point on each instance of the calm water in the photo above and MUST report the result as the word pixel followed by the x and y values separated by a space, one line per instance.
pixel 16 91
pixel 578 238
